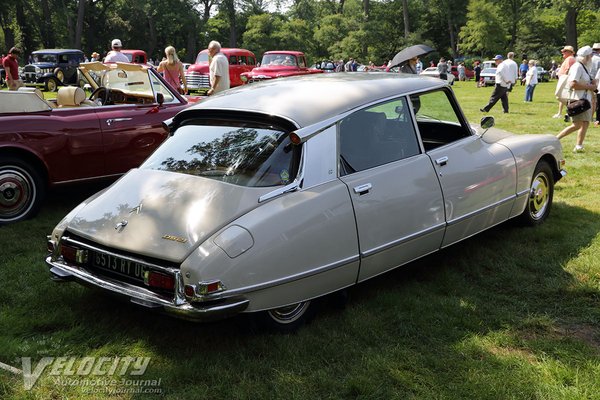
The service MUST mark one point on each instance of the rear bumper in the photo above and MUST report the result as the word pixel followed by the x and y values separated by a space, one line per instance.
pixel 177 306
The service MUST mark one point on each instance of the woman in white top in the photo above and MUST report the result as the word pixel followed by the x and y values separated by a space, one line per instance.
pixel 582 87
pixel 531 79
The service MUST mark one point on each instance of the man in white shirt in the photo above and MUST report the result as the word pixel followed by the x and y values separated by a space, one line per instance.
pixel 115 55
pixel 513 69
pixel 504 79
pixel 218 69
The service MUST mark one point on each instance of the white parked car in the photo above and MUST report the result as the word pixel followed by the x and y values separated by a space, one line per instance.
pixel 271 195
pixel 432 71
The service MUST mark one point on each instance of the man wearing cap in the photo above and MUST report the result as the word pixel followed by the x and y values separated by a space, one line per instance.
pixel 11 66
pixel 568 60
pixel 115 55
pixel 596 68
pixel 504 79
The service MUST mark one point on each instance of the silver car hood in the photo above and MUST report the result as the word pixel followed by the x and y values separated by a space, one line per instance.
pixel 162 214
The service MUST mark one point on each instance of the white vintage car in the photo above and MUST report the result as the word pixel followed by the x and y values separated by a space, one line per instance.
pixel 272 195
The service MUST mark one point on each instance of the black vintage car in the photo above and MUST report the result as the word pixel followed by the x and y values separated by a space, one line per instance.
pixel 52 68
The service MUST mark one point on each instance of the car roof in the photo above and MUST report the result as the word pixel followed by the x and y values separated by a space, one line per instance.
pixel 309 99
pixel 53 51
pixel 290 52
pixel 232 51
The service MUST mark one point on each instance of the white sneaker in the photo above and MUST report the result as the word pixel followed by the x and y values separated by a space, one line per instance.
pixel 556 116
pixel 578 149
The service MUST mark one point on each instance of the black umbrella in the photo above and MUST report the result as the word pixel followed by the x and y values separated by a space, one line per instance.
pixel 406 54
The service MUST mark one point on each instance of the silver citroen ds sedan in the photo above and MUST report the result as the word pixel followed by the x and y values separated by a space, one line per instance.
pixel 272 195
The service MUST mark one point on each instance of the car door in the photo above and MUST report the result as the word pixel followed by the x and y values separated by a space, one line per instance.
pixel 393 186
pixel 131 132
pixel 478 178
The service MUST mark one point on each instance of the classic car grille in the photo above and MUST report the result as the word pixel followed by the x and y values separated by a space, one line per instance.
pixel 29 68
pixel 116 264
pixel 197 81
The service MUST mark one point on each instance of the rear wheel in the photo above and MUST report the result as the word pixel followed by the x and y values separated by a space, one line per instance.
pixel 51 84
pixel 287 319
pixel 21 190
pixel 539 199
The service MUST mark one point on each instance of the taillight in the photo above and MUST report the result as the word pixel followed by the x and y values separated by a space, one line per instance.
pixel 159 280
pixel 205 288
pixel 73 255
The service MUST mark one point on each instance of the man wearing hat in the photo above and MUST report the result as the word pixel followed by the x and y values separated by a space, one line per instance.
pixel 568 54
pixel 504 79
pixel 11 66
pixel 95 57
pixel 115 55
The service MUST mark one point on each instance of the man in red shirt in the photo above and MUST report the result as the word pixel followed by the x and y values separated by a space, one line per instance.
pixel 11 66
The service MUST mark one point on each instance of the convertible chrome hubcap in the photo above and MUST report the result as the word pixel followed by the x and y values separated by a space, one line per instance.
pixel 14 193
pixel 289 314
pixel 538 196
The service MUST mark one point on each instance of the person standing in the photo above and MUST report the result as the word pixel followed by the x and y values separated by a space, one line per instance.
pixel 115 55
pixel 219 69
pixel 11 67
pixel 461 72
pixel 172 70
pixel 568 61
pixel 442 68
pixel 513 69
pixel 477 70
pixel 523 68
pixel 596 67
pixel 581 82
pixel 531 79
pixel 504 79
pixel 409 67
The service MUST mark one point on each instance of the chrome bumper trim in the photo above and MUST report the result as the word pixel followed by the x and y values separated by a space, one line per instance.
pixel 177 306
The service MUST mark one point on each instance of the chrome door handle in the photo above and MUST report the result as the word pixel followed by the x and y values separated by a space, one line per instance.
pixel 362 189
pixel 442 161
pixel 110 121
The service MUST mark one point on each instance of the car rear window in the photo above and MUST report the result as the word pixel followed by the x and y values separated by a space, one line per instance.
pixel 240 155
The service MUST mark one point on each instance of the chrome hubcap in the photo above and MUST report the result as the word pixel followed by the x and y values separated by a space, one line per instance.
pixel 538 196
pixel 289 314
pixel 15 193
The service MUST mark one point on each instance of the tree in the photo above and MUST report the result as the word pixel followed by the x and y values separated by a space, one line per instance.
pixel 484 32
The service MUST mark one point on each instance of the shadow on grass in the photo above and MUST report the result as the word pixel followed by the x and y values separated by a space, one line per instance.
pixel 472 321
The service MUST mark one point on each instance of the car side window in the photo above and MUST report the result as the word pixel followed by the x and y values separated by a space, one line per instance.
pixel 437 119
pixel 251 61
pixel 233 60
pixel 302 62
pixel 377 135
pixel 62 59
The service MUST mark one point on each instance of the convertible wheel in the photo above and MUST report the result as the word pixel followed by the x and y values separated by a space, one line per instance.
pixel 21 190
pixel 539 200
pixel 287 319
pixel 51 84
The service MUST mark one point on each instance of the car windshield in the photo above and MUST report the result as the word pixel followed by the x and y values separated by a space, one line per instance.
pixel 202 57
pixel 129 56
pixel 44 58
pixel 129 81
pixel 279 59
pixel 240 155
pixel 489 71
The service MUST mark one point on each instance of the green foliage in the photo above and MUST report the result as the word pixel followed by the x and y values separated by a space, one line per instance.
pixel 484 32
pixel 260 33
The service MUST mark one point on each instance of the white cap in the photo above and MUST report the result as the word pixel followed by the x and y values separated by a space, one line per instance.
pixel 596 46
pixel 116 43
pixel 584 51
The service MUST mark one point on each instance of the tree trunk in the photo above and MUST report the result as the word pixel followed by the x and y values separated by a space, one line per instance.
pixel 27 42
pixel 452 35
pixel 152 33
pixel 571 25
pixel 341 11
pixel 46 28
pixel 191 46
pixel 406 19
pixel 9 34
pixel 79 25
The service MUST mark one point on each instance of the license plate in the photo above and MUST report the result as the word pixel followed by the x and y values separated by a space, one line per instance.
pixel 117 265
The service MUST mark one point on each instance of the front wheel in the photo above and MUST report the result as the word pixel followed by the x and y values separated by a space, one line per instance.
pixel 287 319
pixel 51 84
pixel 21 190
pixel 539 198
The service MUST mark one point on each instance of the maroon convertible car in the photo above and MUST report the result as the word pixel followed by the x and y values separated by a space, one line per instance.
pixel 78 137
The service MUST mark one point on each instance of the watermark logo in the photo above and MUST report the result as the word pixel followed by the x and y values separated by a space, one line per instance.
pixel 103 373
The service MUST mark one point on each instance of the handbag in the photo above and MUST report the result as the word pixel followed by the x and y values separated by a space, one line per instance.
pixel 576 107
pixel 562 90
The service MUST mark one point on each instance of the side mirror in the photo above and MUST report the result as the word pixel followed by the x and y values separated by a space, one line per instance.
pixel 487 122
pixel 160 98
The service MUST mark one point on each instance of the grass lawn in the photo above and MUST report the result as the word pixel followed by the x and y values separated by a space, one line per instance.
pixel 512 313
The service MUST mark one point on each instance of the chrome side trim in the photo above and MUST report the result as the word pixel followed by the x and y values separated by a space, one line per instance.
pixel 523 192
pixel 137 260
pixel 295 185
pixel 482 210
pixel 88 179
pixel 281 281
pixel 402 240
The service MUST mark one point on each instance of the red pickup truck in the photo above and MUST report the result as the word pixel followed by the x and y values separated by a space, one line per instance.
pixel 240 61
pixel 279 64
